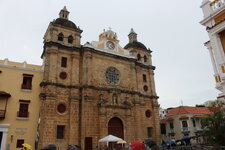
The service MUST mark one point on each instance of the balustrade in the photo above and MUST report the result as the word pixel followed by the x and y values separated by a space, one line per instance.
pixel 217 3
pixel 197 129
pixel 171 130
pixel 184 129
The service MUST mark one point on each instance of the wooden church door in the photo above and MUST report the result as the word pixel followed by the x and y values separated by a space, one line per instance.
pixel 115 127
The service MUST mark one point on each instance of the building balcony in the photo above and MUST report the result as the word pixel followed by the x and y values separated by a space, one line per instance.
pixel 23 114
pixel 185 130
pixel 171 132
pixel 197 129
pixel 219 87
pixel 216 4
pixel 2 114
pixel 211 9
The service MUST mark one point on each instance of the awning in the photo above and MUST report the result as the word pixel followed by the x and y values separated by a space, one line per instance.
pixel 170 119
pixel 184 117
pixel 163 121
pixel 197 116
pixel 4 94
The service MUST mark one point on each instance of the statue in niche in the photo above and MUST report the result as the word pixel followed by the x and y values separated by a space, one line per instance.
pixel 126 102
pixel 102 100
pixel 114 99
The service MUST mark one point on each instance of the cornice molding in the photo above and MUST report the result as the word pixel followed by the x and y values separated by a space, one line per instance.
pixel 72 48
pixel 20 68
pixel 59 45
pixel 124 58
pixel 43 84
pixel 145 66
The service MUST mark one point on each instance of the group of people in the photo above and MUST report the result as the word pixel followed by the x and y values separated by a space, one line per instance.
pixel 145 145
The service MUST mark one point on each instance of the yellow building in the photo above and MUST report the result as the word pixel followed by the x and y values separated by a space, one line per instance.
pixel 19 103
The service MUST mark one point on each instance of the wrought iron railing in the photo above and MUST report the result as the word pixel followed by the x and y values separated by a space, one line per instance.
pixel 23 114
pixel 185 129
pixel 171 130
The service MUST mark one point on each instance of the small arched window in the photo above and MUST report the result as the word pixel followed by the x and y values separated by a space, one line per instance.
pixel 144 78
pixel 114 99
pixel 60 37
pixel 145 88
pixel 138 57
pixel 70 39
pixel 145 58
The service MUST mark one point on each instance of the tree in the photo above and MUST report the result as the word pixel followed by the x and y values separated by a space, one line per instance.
pixel 214 128
pixel 214 103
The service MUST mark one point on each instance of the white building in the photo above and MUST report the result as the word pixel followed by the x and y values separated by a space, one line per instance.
pixel 182 121
pixel 162 113
pixel 214 21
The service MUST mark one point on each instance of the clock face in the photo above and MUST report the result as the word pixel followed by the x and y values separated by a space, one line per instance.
pixel 110 45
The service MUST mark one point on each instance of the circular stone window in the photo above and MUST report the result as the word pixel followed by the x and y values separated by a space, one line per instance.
pixel 63 75
pixel 61 108
pixel 112 75
pixel 148 113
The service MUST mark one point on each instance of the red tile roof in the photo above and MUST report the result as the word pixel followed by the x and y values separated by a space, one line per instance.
pixel 214 109
pixel 188 110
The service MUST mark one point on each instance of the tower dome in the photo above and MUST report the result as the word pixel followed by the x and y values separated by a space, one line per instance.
pixel 133 43
pixel 63 19
pixel 65 23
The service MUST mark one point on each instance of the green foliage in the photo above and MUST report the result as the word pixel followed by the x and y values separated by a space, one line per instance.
pixel 214 103
pixel 214 128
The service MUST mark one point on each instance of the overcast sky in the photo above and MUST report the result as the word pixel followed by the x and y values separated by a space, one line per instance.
pixel 170 29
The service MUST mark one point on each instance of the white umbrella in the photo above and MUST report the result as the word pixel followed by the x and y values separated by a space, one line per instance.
pixel 110 138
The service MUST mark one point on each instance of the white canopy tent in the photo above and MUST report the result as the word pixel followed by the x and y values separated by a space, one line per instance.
pixel 110 138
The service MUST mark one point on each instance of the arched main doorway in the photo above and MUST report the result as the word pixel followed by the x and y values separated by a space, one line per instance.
pixel 115 127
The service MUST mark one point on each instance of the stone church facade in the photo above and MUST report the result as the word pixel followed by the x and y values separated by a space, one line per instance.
pixel 92 90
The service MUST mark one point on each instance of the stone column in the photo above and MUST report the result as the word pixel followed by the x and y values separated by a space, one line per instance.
pixel 213 60
pixel 86 80
pixel 4 129
pixel 134 77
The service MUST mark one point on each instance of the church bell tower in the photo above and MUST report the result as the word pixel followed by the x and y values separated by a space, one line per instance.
pixel 60 86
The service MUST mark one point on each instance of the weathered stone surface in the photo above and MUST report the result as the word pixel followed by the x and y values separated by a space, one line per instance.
pixel 88 96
